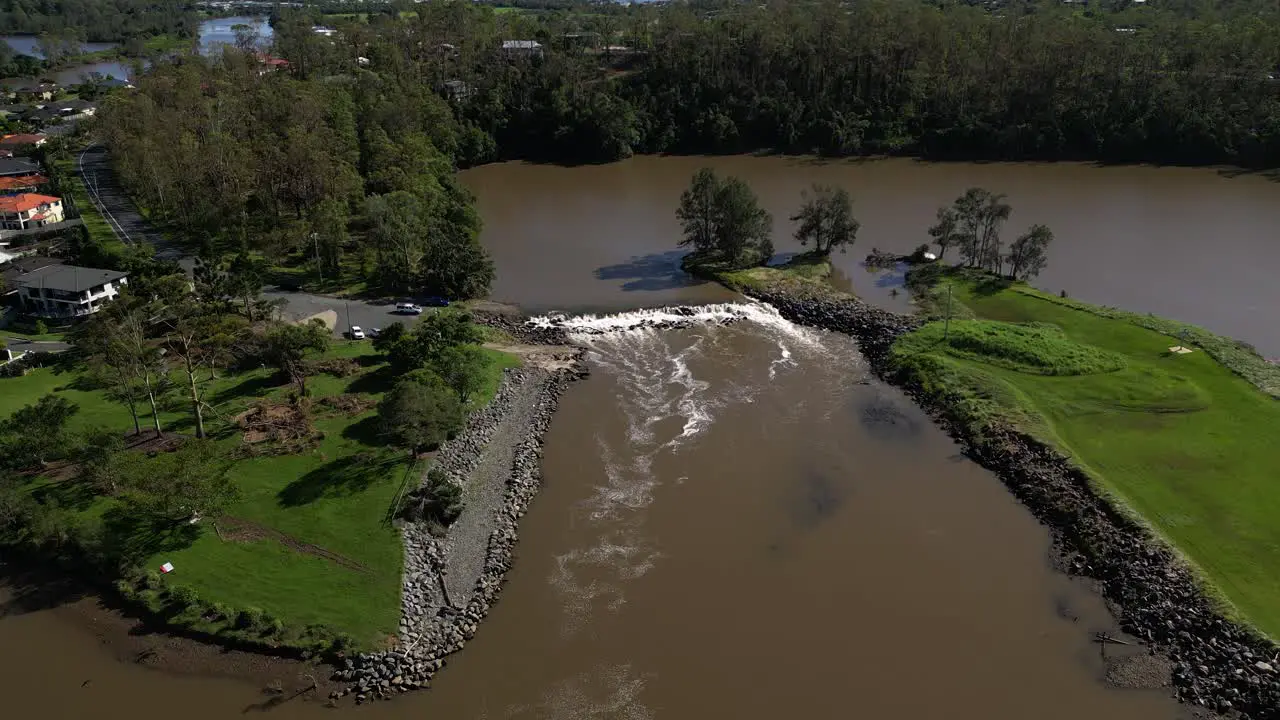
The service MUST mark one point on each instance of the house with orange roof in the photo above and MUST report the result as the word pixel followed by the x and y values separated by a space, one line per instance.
pixel 21 184
pixel 22 143
pixel 29 210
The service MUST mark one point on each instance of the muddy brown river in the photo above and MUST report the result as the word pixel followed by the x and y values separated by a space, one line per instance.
pixel 736 521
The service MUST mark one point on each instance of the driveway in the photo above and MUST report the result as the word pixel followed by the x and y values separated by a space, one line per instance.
pixel 363 313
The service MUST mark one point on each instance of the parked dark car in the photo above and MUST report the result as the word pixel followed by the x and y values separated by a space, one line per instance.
pixel 435 302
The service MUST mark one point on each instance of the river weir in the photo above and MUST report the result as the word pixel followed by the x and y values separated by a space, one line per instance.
pixel 735 518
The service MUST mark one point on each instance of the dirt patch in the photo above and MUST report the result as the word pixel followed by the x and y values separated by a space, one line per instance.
pixel 548 357
pixel 348 404
pixel 337 367
pixel 233 529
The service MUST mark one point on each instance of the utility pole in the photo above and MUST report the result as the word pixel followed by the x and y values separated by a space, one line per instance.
pixel 946 328
pixel 348 304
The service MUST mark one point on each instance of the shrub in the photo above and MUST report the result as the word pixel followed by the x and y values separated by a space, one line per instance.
pixel 438 502
pixel 249 618
pixel 183 597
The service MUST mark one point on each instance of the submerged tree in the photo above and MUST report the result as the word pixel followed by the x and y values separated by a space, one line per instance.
pixel 697 211
pixel 1028 254
pixel 826 219
pixel 723 221
pixel 947 232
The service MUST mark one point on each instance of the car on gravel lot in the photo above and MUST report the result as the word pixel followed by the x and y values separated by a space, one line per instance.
pixel 357 333
pixel 408 309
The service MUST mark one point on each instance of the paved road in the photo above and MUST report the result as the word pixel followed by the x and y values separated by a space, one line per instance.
pixel 365 314
pixel 115 205
pixel 18 344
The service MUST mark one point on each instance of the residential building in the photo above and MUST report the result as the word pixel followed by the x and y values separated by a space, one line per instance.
pixel 66 291
pixel 268 63
pixel 15 268
pixel 10 111
pixel 29 210
pixel 23 143
pixel 41 91
pixel 522 48
pixel 21 184
pixel 458 90
pixel 10 167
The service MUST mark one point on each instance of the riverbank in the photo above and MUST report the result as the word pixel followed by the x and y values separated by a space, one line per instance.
pixel 1217 662
pixel 451 582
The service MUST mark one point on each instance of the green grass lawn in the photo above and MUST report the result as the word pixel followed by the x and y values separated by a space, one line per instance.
pixel 1182 440
pixel 321 549
pixel 99 230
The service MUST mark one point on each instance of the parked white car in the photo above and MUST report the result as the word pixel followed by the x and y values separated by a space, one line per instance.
pixel 408 309
pixel 357 333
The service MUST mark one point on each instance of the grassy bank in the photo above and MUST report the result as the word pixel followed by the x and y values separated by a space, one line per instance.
pixel 308 552
pixel 100 231
pixel 1182 440
pixel 802 275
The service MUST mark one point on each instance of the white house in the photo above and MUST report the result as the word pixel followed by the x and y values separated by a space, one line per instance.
pixel 525 48
pixel 29 210
pixel 63 291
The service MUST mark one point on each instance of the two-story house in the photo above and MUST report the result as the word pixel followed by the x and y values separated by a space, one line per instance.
pixel 29 210
pixel 66 291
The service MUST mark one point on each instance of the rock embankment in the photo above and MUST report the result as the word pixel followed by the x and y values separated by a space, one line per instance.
pixel 1218 664
pixel 450 583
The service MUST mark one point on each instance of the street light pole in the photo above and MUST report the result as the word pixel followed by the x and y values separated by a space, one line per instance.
pixel 946 328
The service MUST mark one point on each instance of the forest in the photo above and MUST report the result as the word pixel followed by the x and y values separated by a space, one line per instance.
pixel 98 20
pixel 343 162
pixel 1170 82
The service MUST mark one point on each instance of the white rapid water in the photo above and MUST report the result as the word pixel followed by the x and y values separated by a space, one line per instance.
pixel 676 370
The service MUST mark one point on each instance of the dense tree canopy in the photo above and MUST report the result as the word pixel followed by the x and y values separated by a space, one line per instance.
pixel 1177 82
pixel 98 20
pixel 723 221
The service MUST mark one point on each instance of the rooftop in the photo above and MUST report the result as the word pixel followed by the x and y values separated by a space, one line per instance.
pixel 21 140
pixel 17 182
pixel 17 166
pixel 23 202
pixel 68 278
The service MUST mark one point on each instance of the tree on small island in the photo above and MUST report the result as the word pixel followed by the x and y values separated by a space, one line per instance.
pixel 723 221
pixel 826 219
pixel 973 223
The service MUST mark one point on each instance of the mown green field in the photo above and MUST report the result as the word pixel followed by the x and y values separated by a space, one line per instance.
pixel 310 541
pixel 1178 438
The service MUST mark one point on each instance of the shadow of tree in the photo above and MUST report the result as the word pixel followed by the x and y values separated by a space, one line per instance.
pixel 131 536
pixel 991 286
pixel 34 589
pixel 378 381
pixel 342 477
pixel 254 387
pixel 365 432
pixel 656 271
pixel 68 494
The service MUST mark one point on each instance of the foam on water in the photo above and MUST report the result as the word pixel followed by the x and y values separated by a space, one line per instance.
pixel 666 407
